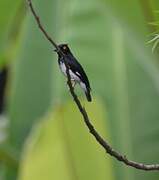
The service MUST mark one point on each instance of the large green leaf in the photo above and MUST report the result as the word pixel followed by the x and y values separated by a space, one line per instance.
pixel 62 148
pixel 32 75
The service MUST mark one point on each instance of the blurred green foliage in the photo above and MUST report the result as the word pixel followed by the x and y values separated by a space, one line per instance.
pixel 46 138
pixel 63 144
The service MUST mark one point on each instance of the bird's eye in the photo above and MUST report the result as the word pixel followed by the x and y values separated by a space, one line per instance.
pixel 64 47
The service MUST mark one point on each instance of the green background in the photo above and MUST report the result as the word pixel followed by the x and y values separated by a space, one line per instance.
pixel 42 135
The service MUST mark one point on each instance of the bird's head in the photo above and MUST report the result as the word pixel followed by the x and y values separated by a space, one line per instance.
pixel 64 48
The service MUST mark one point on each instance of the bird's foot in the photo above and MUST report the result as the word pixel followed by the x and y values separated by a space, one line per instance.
pixel 73 83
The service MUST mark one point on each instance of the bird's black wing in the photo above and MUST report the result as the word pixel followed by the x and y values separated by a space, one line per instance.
pixel 77 69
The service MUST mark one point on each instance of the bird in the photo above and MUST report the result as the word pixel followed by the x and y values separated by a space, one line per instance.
pixel 76 71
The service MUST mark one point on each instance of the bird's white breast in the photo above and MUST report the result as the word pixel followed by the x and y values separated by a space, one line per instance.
pixel 83 86
pixel 73 75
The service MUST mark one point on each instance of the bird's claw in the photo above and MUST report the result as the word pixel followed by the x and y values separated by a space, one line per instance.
pixel 73 83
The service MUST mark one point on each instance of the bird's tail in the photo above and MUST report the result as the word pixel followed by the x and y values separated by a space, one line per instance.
pixel 88 95
pixel 87 91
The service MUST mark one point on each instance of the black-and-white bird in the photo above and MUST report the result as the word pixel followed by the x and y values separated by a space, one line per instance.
pixel 76 71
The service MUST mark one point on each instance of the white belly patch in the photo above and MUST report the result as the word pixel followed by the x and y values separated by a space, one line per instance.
pixel 83 86
pixel 73 76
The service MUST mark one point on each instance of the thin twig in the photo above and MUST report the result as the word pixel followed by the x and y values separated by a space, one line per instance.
pixel 83 112
pixel 40 25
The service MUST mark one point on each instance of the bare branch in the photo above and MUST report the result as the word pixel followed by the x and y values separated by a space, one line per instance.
pixel 40 25
pixel 96 135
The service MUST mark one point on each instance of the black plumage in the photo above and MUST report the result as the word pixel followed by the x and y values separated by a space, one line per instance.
pixel 76 71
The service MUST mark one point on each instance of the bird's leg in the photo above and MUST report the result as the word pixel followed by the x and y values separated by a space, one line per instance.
pixel 73 82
